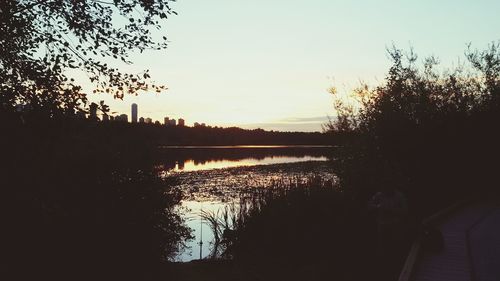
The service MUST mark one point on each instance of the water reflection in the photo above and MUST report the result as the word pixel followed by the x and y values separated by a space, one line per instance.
pixel 200 247
pixel 211 178
pixel 197 158
pixel 194 165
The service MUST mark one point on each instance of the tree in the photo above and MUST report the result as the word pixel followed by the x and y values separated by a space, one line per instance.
pixel 40 40
pixel 424 126
pixel 79 200
pixel 430 133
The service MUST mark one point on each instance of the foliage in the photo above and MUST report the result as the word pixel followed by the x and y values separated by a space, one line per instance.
pixel 423 127
pixel 80 202
pixel 41 40
pixel 223 224
pixel 296 230
pixel 183 135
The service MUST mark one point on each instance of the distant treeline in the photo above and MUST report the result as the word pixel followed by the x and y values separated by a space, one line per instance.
pixel 180 135
pixel 170 157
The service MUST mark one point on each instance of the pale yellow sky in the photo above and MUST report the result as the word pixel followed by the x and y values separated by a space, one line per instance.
pixel 269 64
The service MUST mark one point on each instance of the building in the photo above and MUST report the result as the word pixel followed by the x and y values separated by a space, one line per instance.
pixel 134 113
pixel 148 120
pixel 181 122
pixel 93 111
pixel 141 120
pixel 172 122
pixel 166 121
pixel 196 124
pixel 203 124
pixel 122 118
pixel 157 122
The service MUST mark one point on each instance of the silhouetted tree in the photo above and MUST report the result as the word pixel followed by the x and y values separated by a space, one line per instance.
pixel 78 202
pixel 42 39
pixel 427 126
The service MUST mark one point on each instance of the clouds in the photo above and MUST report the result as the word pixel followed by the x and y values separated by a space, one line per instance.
pixel 305 124
pixel 286 127
pixel 316 119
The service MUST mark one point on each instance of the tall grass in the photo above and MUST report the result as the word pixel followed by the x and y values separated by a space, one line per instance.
pixel 295 227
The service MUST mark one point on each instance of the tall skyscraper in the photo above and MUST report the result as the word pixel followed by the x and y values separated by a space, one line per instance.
pixel 93 111
pixel 134 113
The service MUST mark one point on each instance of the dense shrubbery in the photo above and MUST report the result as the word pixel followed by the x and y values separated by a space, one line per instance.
pixel 432 134
pixel 297 229
pixel 80 203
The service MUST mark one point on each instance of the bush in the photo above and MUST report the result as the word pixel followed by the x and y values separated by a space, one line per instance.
pixel 293 228
pixel 431 133
pixel 82 203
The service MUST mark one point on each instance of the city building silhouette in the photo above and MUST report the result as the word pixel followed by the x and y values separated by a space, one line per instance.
pixel 93 111
pixel 134 113
pixel 122 118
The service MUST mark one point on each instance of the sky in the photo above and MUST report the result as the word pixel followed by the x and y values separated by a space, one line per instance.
pixel 268 63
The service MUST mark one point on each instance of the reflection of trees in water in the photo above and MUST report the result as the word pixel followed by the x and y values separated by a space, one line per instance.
pixel 170 157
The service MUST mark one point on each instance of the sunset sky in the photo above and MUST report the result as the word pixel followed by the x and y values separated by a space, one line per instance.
pixel 268 64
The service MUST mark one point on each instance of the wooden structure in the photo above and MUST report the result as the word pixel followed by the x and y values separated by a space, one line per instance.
pixel 471 248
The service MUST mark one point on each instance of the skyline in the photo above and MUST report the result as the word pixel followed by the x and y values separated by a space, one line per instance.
pixel 134 111
pixel 269 65
pixel 135 117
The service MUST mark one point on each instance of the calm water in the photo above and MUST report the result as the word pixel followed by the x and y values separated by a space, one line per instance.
pixel 192 165
pixel 197 158
pixel 212 177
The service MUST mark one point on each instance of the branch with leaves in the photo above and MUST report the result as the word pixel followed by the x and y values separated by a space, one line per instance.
pixel 42 39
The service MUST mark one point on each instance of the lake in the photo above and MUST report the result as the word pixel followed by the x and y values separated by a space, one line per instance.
pixel 212 177
pixel 196 158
